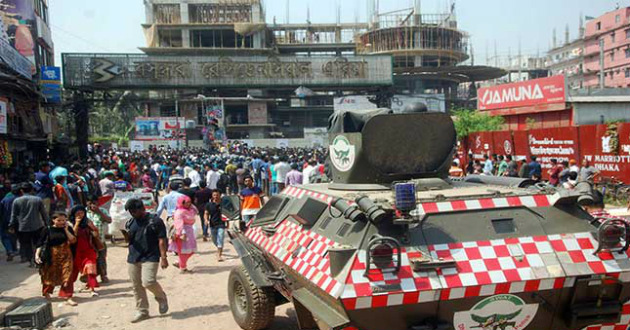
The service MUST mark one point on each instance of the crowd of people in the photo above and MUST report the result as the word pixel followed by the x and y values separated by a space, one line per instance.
pixel 564 174
pixel 54 218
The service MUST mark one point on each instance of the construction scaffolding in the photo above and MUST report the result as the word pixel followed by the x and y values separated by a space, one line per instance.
pixel 316 33
pixel 167 14
pixel 447 45
pixel 227 12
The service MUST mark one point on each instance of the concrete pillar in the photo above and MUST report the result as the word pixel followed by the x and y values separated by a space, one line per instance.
pixel 257 14
pixel 81 113
pixel 258 39
pixel 186 38
pixel 148 9
pixel 183 12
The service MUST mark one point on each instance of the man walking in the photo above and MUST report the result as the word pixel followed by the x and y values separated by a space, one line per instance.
pixel 202 197
pixel 169 202
pixel 28 218
pixel 251 201
pixel 214 220
pixel 147 253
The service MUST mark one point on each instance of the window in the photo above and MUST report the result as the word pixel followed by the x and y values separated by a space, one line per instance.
pixel 219 39
pixel 612 37
pixel 628 73
pixel 627 52
pixel 170 38
pixel 617 18
pixel 598 26
pixel 612 56
pixel 628 34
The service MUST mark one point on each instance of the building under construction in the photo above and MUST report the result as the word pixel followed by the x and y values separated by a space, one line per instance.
pixel 425 52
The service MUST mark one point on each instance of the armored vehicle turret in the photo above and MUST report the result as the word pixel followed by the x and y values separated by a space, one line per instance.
pixel 394 244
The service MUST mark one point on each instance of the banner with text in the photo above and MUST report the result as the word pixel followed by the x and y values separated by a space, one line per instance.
pixel 522 94
pixel 102 71
pixel 607 147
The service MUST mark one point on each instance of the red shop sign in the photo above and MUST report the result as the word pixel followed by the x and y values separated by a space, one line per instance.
pixel 527 93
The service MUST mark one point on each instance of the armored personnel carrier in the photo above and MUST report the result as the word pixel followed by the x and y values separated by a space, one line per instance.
pixel 392 243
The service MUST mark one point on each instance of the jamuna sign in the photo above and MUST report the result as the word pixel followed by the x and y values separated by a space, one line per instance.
pixel 522 94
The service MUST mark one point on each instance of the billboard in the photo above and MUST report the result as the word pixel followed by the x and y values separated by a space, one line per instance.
pixel 317 136
pixel 522 94
pixel 353 102
pixel 18 26
pixel 142 71
pixel 160 128
pixel 434 102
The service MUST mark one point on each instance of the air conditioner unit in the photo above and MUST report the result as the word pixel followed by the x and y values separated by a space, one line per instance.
pixel 191 124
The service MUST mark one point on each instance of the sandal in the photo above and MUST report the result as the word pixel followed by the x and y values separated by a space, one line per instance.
pixel 94 294
pixel 71 302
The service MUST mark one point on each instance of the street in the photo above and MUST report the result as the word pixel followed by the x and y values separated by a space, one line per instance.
pixel 197 301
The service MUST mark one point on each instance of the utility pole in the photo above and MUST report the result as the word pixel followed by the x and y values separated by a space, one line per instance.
pixel 288 11
pixel 602 76
pixel 520 60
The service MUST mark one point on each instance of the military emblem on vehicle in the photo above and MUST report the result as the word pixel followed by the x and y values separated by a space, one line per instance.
pixel 501 312
pixel 342 154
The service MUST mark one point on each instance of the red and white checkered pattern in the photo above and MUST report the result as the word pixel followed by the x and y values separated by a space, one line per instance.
pixel 622 325
pixel 299 193
pixel 304 251
pixel 486 203
pixel 575 252
pixel 485 268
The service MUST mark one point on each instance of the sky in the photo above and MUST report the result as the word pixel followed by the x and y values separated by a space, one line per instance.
pixel 113 26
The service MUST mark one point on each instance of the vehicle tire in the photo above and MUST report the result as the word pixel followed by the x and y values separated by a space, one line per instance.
pixel 253 308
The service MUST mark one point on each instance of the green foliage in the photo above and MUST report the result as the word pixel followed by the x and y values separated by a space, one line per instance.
pixel 113 120
pixel 530 123
pixel 470 121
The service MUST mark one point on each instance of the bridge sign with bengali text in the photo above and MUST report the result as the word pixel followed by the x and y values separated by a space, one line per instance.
pixel 132 71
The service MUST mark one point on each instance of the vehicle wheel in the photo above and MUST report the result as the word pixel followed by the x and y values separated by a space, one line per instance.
pixel 253 308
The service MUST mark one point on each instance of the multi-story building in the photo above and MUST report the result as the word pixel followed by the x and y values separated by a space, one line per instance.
pixel 26 117
pixel 607 50
pixel 568 60
pixel 416 55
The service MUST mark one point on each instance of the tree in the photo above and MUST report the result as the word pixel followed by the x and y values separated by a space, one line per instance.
pixel 470 121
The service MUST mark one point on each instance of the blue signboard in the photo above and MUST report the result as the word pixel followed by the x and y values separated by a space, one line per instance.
pixel 51 73
pixel 50 82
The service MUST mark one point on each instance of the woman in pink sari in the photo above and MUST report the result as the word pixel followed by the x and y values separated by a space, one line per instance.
pixel 184 238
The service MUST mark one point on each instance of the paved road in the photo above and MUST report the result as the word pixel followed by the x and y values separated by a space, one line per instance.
pixel 197 301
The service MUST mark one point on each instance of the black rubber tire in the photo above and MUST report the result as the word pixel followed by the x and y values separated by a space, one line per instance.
pixel 261 308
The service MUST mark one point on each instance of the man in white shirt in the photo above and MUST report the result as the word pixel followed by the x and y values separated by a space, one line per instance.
pixel 306 174
pixel 282 169
pixel 212 178
pixel 187 170
pixel 194 177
